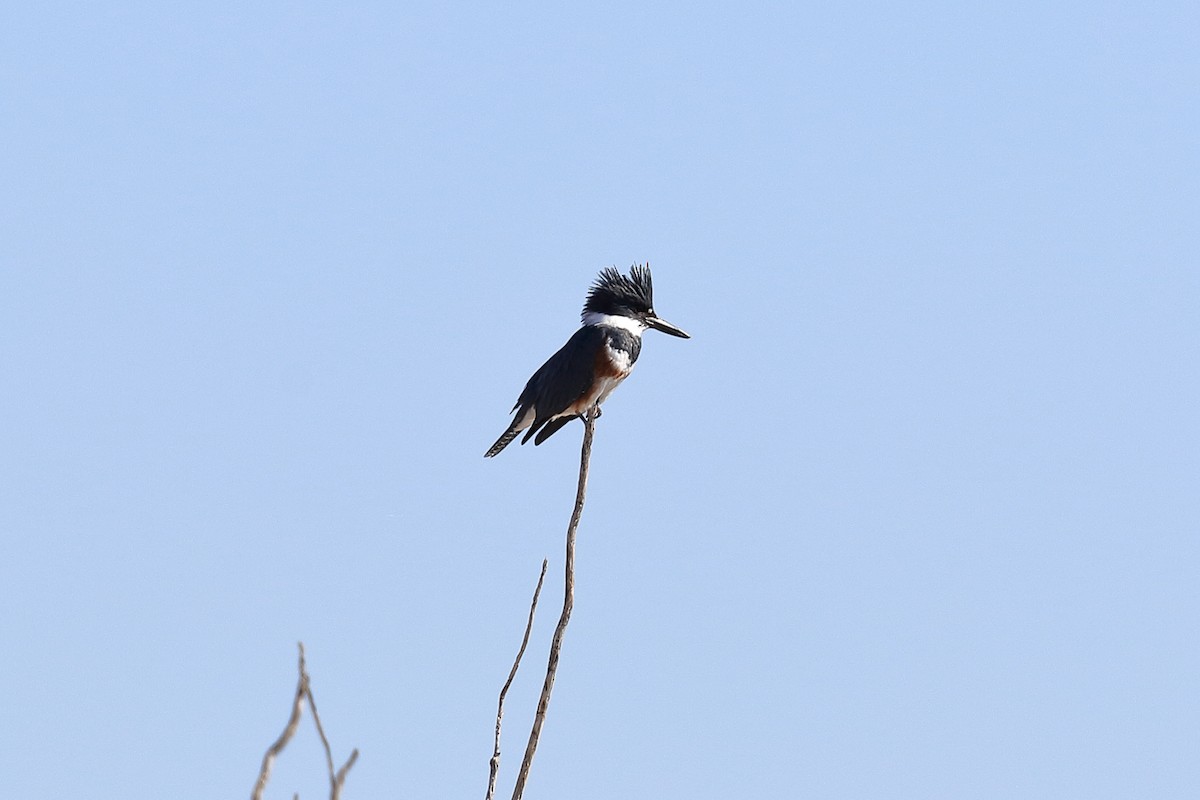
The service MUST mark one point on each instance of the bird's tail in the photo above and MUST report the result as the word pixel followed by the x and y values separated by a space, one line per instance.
pixel 523 420
pixel 551 427
pixel 504 441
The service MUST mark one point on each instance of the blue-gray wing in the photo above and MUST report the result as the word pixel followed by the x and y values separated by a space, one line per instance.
pixel 561 381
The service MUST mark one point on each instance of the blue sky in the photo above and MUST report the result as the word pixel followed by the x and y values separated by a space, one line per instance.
pixel 913 514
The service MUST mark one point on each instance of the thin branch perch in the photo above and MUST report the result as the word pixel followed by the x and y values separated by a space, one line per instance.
pixel 589 428
pixel 495 762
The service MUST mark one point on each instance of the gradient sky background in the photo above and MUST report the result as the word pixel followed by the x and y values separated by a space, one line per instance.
pixel 914 514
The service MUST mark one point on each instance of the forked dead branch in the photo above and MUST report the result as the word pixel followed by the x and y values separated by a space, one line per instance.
pixel 512 673
pixel 337 778
pixel 589 428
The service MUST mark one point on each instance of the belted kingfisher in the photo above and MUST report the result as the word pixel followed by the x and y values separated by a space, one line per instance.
pixel 594 361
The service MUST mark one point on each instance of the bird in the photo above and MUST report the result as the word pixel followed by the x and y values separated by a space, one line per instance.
pixel 594 361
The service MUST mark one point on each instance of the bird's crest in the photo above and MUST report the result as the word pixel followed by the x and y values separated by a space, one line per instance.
pixel 613 291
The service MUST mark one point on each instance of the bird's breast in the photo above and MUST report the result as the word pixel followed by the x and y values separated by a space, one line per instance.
pixel 613 365
pixel 613 362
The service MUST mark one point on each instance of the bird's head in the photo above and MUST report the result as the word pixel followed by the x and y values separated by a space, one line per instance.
pixel 626 296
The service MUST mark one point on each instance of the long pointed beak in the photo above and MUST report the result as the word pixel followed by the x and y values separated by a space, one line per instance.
pixel 665 327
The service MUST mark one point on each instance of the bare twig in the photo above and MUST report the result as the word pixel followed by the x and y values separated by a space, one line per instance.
pixel 585 457
pixel 336 779
pixel 303 690
pixel 288 732
pixel 494 765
